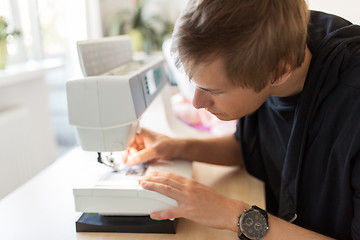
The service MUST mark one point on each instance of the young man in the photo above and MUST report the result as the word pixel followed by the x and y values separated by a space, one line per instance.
pixel 292 78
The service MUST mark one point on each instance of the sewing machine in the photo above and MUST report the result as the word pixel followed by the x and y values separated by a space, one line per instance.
pixel 105 106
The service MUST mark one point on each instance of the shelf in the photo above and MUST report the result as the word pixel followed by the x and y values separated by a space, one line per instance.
pixel 27 71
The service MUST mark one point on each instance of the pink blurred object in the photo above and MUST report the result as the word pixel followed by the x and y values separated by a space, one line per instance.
pixel 200 119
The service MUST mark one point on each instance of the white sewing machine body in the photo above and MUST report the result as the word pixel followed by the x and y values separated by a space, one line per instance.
pixel 120 194
pixel 105 107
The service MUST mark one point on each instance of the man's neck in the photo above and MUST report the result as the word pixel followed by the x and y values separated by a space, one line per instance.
pixel 296 81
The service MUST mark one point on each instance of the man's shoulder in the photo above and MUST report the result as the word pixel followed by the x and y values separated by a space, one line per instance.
pixel 350 69
pixel 321 25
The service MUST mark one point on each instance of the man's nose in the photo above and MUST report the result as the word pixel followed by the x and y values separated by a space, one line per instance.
pixel 201 99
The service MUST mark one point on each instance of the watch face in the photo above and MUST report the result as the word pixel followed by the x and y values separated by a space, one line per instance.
pixel 253 225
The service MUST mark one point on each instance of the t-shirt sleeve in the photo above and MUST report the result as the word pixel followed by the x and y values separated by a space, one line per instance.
pixel 247 135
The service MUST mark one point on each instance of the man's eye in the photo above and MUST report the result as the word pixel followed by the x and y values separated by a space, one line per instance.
pixel 216 93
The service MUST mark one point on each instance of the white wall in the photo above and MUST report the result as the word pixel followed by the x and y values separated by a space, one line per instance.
pixel 27 142
pixel 169 9
pixel 348 9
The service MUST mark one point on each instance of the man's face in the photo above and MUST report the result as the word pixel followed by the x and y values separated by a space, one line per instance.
pixel 219 96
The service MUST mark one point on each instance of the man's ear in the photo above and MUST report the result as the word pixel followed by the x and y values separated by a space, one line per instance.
pixel 281 79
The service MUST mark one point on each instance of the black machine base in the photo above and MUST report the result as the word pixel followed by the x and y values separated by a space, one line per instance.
pixel 94 222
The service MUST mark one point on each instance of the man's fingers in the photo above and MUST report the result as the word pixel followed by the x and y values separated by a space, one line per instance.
pixel 146 132
pixel 129 152
pixel 139 141
pixel 142 156
pixel 172 176
pixel 167 180
pixel 164 189
pixel 166 214
pixel 125 155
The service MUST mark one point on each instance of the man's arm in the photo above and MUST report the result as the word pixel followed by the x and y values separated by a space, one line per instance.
pixel 221 150
pixel 148 146
pixel 204 205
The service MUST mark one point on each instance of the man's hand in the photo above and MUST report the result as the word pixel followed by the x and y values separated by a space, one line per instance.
pixel 204 205
pixel 148 146
pixel 196 201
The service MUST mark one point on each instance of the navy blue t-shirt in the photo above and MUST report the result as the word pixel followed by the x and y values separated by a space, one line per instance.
pixel 306 148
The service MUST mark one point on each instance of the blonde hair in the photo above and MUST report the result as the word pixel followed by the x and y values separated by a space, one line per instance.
pixel 256 39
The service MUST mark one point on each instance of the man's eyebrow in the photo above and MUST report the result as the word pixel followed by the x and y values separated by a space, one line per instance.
pixel 209 90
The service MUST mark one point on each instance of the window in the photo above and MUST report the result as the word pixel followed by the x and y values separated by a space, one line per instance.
pixel 15 45
pixel 42 26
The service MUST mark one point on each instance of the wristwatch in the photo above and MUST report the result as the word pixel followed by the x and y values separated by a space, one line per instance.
pixel 253 224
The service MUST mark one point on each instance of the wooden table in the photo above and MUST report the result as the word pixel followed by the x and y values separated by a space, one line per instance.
pixel 43 208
